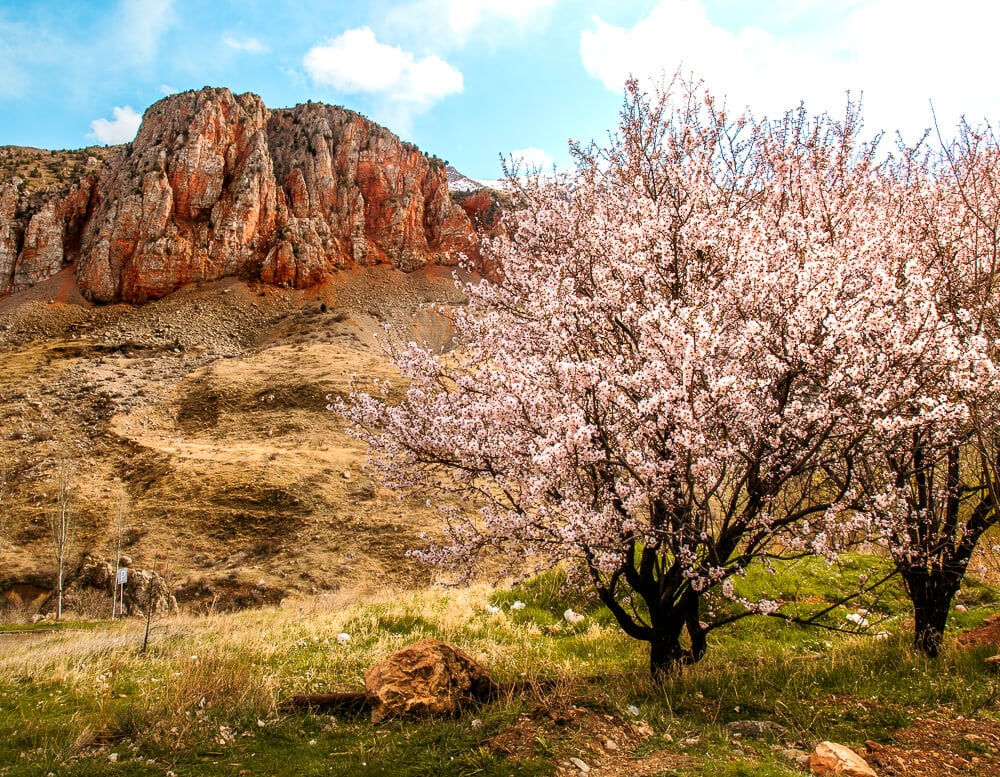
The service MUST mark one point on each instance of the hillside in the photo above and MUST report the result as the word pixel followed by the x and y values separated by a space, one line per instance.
pixel 44 170
pixel 208 407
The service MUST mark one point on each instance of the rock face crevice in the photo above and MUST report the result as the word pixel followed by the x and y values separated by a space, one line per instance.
pixel 217 185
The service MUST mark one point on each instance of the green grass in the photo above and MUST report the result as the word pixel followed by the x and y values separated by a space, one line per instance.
pixel 206 698
pixel 49 625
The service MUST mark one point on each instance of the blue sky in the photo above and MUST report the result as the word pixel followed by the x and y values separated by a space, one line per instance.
pixel 470 80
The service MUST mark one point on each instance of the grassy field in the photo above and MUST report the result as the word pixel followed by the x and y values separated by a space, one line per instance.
pixel 207 696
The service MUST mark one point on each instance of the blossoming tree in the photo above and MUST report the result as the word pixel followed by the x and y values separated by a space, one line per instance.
pixel 930 475
pixel 669 376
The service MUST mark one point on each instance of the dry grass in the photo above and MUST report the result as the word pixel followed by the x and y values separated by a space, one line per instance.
pixel 215 684
pixel 236 669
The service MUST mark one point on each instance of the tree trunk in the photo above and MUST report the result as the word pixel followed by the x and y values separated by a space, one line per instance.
pixel 59 591
pixel 666 652
pixel 931 593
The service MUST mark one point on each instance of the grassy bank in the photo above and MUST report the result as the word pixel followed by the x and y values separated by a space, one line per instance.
pixel 206 698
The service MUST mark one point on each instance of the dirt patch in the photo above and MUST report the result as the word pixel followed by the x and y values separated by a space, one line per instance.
pixel 938 747
pixel 567 734
pixel 22 595
pixel 303 396
pixel 200 408
pixel 143 468
pixel 987 634
pixel 227 594
pixel 259 498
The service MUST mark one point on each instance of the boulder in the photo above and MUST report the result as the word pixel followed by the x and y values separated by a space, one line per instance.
pixel 424 679
pixel 831 758
pixel 756 729
pixel 144 588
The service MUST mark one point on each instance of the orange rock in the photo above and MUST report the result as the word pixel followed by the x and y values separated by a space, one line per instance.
pixel 427 678
pixel 831 758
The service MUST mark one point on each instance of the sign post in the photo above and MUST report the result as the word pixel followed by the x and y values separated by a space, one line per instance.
pixel 121 578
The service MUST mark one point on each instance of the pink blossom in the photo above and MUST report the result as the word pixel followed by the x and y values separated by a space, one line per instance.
pixel 701 350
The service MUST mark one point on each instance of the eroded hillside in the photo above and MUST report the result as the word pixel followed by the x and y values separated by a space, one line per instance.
pixel 208 408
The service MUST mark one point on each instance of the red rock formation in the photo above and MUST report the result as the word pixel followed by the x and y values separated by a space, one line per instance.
pixel 191 199
pixel 39 233
pixel 50 239
pixel 483 207
pixel 217 185
pixel 352 193
pixel 10 235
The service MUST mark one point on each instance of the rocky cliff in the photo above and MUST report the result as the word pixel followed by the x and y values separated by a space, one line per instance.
pixel 216 185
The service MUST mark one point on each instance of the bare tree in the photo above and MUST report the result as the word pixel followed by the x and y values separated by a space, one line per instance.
pixel 5 522
pixel 120 518
pixel 62 527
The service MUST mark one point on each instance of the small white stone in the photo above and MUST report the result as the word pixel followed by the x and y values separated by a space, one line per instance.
pixel 518 605
pixel 572 618
pixel 633 710
pixel 343 638
pixel 581 765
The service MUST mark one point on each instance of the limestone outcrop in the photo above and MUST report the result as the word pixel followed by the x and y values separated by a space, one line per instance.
pixel 217 185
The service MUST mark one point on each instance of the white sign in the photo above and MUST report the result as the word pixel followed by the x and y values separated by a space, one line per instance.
pixel 122 577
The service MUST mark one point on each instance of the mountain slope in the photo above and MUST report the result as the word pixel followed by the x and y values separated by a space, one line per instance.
pixel 207 409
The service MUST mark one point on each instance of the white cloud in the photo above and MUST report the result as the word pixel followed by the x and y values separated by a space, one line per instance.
pixel 27 50
pixel 898 58
pixel 356 62
pixel 451 23
pixel 293 75
pixel 120 130
pixel 250 45
pixel 168 90
pixel 464 16
pixel 750 65
pixel 138 28
pixel 531 159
